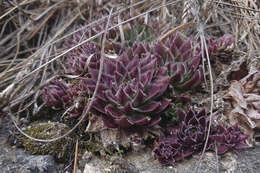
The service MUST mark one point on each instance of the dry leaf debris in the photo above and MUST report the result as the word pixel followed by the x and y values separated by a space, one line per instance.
pixel 245 100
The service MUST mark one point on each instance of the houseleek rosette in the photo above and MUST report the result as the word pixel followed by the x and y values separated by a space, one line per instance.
pixel 130 90
pixel 183 65
pixel 229 139
pixel 186 139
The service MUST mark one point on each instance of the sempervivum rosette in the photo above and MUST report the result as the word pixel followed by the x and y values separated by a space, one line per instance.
pixel 183 65
pixel 187 138
pixel 221 43
pixel 78 57
pixel 193 128
pixel 137 30
pixel 58 95
pixel 168 150
pixel 130 89
pixel 55 94
pixel 229 139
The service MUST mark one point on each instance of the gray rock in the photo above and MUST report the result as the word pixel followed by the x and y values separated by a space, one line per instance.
pixel 91 169
pixel 19 161
pixel 13 160
pixel 144 162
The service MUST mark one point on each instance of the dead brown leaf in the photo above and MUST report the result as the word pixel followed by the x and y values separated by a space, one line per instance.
pixel 245 99
pixel 236 92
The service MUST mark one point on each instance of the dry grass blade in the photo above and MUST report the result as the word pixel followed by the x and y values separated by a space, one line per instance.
pixel 93 37
pixel 86 111
pixel 42 23
pixel 54 39
pixel 180 27
pixel 237 6
pixel 187 4
pixel 204 46
pixel 97 21
pixel 60 55
pixel 247 15
pixel 14 8
pixel 201 33
pixel 30 61
pixel 76 157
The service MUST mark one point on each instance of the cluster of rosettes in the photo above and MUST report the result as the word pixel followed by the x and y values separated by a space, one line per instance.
pixel 133 91
pixel 190 135
pixel 77 59
pixel 133 85
pixel 55 94
pixel 219 44
pixel 186 139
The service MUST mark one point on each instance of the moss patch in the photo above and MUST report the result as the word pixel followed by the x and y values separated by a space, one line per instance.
pixel 59 149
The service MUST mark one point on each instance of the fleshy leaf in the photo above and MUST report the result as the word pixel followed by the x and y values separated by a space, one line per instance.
pixel 140 120
pixel 147 77
pixel 186 49
pixel 149 107
pixel 123 122
pixel 121 96
pixel 222 149
pixel 139 98
pixel 110 110
pixel 99 106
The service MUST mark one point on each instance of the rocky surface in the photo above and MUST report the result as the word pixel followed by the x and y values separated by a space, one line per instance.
pixel 144 162
pixel 18 161
pixel 14 160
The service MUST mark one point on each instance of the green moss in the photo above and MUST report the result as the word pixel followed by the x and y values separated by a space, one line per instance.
pixel 94 145
pixel 59 149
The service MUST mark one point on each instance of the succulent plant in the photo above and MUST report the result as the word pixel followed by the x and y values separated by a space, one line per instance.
pixel 220 43
pixel 229 139
pixel 185 139
pixel 130 89
pixel 168 150
pixel 137 30
pixel 192 132
pixel 183 61
pixel 77 58
pixel 183 66
pixel 55 94
pixel 78 99
pixel 58 95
